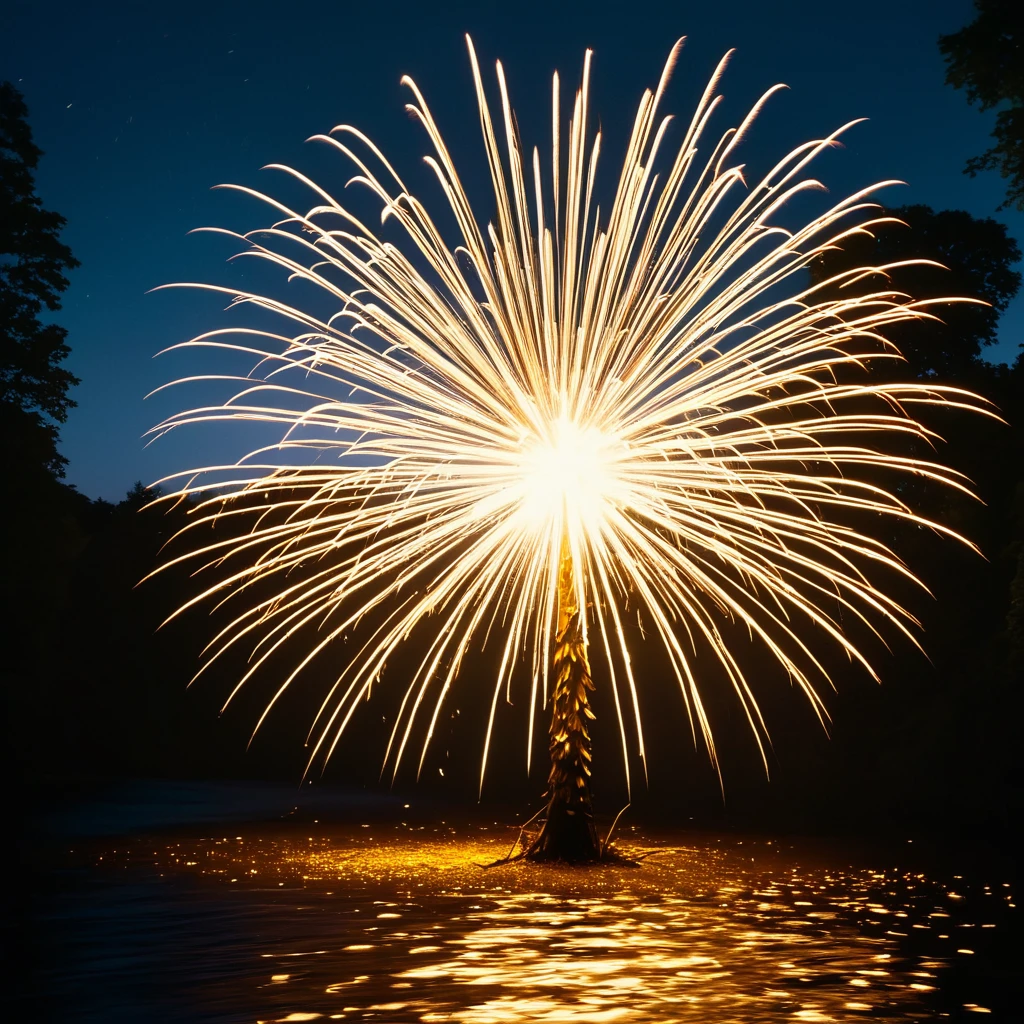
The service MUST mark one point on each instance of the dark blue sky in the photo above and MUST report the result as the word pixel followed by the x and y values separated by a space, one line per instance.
pixel 141 108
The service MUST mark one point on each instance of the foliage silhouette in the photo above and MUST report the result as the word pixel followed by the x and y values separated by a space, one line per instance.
pixel 945 731
pixel 979 257
pixel 33 261
pixel 987 59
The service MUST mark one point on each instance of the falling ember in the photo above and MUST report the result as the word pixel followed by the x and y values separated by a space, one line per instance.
pixel 535 419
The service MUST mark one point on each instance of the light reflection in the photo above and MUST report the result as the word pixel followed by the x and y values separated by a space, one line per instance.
pixel 405 925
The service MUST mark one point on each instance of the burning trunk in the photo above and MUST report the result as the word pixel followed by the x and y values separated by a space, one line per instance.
pixel 568 833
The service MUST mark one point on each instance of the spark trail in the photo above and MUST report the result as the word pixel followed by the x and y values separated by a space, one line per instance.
pixel 645 407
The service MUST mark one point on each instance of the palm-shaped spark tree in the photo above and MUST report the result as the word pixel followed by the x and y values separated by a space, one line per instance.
pixel 564 413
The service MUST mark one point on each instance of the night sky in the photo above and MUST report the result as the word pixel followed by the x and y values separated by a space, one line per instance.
pixel 140 109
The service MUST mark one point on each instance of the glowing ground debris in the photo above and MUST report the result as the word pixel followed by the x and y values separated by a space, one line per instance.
pixel 645 376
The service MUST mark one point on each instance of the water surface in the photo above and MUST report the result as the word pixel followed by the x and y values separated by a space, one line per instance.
pixel 399 922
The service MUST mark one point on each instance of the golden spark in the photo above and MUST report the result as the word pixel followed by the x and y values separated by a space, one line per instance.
pixel 571 417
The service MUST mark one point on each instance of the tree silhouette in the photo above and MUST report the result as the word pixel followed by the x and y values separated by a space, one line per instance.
pixel 33 261
pixel 978 256
pixel 987 59
pixel 943 730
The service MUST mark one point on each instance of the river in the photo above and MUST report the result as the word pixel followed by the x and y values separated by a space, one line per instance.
pixel 386 913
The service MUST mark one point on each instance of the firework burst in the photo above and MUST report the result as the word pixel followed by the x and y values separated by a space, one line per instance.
pixel 571 417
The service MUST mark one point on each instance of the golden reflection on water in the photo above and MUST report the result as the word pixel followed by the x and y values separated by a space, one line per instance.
pixel 407 926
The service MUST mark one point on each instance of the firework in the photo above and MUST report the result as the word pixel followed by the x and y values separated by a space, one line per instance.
pixel 539 430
